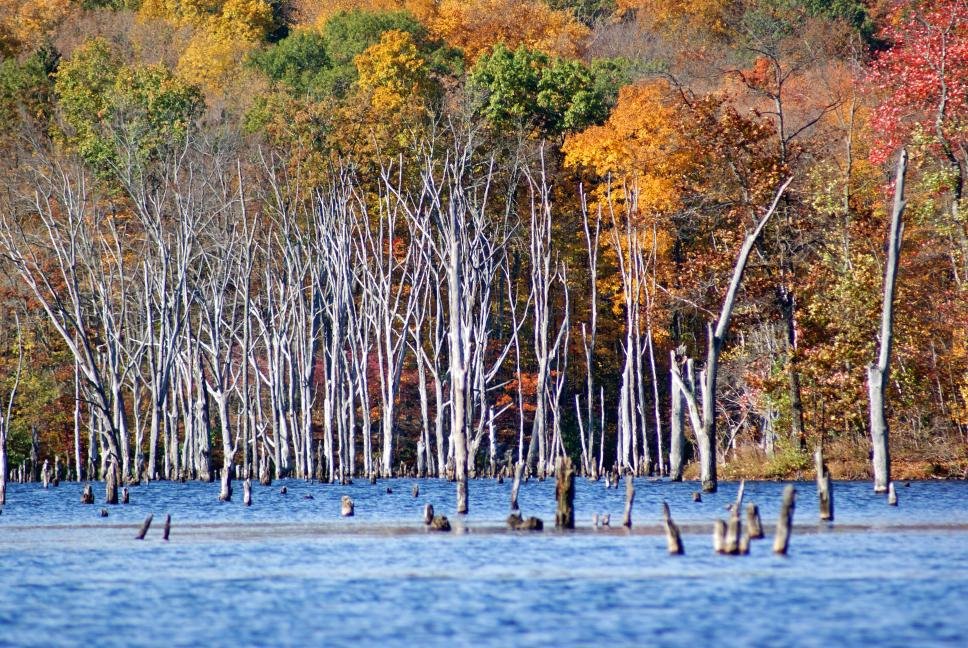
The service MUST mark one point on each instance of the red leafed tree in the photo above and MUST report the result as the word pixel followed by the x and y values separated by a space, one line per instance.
pixel 923 79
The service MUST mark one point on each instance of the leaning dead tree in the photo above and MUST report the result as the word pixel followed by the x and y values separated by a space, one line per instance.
pixel 704 420
pixel 878 373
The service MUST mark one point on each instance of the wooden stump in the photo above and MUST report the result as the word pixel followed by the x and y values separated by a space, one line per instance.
pixel 428 514
pixel 416 491
pixel 606 519
pixel 744 543
pixel 247 492
pixel 891 494
pixel 111 484
pixel 125 496
pixel 518 472
pixel 565 493
pixel 825 493
pixel 629 499
pixel 346 506
pixel 673 538
pixel 87 495
pixel 167 528
pixel 719 536
pixel 697 496
pixel 784 525
pixel 518 523
pixel 103 513
pixel 753 522
pixel 440 523
pixel 283 490
pixel 144 528
pixel 734 528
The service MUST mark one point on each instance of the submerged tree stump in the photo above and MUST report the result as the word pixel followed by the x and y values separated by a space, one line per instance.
pixel 565 493
pixel 87 495
pixel 629 500
pixel 111 484
pixel 891 494
pixel 346 506
pixel 104 512
pixel 697 496
pixel 606 519
pixel 518 523
pixel 719 536
pixel 784 525
pixel 673 538
pixel 125 496
pixel 825 493
pixel 283 490
pixel 247 492
pixel 518 472
pixel 734 528
pixel 440 523
pixel 167 528
pixel 415 491
pixel 753 522
pixel 144 528
pixel 428 514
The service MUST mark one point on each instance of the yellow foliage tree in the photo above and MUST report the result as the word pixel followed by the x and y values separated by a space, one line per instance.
pixel 23 22
pixel 673 16
pixel 224 32
pixel 392 72
pixel 641 145
pixel 476 26
pixel 317 12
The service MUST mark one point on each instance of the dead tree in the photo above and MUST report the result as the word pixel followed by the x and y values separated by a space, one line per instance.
pixel 704 426
pixel 565 493
pixel 878 373
pixel 825 493
pixel 5 416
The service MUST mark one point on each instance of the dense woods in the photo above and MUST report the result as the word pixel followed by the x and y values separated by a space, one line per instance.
pixel 267 238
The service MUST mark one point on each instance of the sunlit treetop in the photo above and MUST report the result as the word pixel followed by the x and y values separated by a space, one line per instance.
pixel 923 80
pixel 477 26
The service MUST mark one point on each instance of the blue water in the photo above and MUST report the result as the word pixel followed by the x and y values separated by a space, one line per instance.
pixel 290 571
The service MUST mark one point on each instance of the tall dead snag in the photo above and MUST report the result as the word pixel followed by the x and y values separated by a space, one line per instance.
pixel 878 374
pixel 565 493
pixel 705 429
pixel 5 416
pixel 825 493
pixel 785 524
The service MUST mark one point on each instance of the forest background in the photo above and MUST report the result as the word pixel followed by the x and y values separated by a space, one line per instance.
pixel 228 219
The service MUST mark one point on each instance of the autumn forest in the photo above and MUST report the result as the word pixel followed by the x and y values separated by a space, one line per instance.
pixel 353 238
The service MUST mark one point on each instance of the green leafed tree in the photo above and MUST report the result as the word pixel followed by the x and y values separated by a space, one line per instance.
pixel 108 107
pixel 527 88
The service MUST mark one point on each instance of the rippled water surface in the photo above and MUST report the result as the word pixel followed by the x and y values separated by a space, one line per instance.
pixel 290 571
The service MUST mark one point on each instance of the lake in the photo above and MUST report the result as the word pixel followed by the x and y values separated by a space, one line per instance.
pixel 289 571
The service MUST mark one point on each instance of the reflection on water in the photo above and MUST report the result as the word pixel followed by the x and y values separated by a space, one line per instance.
pixel 287 571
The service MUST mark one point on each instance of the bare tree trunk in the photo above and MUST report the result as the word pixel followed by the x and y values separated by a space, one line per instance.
pixel 878 374
pixel 705 426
